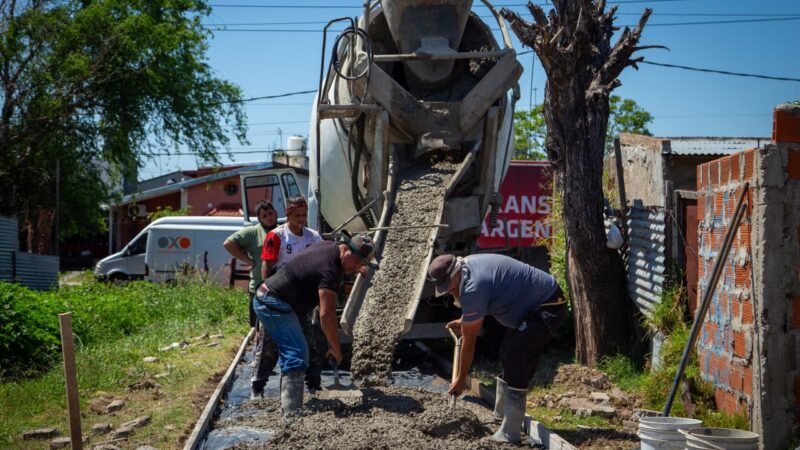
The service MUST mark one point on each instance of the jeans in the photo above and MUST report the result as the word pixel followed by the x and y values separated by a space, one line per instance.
pixel 268 356
pixel 283 326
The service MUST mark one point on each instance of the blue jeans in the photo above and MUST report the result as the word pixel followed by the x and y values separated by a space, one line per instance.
pixel 283 326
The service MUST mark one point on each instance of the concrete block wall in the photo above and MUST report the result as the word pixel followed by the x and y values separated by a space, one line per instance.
pixel 748 347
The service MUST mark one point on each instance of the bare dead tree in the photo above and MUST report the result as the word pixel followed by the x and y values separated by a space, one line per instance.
pixel 573 43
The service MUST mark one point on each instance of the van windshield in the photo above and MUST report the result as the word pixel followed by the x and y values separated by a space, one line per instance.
pixel 138 246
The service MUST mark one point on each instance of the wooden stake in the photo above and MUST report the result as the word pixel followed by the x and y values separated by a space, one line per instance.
pixel 71 378
pixel 623 201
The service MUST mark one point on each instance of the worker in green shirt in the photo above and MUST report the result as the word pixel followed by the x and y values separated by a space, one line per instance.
pixel 245 245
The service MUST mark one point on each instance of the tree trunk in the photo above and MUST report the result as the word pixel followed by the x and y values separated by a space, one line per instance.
pixel 603 319
pixel 573 44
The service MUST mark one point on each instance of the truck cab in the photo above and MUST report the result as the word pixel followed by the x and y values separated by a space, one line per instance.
pixel 275 185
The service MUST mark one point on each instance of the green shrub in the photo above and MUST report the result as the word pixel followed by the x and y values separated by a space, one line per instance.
pixel 30 331
pixel 30 338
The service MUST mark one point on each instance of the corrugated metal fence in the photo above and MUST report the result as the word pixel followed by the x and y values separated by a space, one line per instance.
pixel 9 243
pixel 28 269
pixel 647 256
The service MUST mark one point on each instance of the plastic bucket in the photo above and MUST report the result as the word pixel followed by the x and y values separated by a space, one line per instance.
pixel 663 433
pixel 721 438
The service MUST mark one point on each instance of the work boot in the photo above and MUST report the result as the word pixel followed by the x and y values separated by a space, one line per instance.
pixel 500 400
pixel 512 418
pixel 292 393
pixel 256 389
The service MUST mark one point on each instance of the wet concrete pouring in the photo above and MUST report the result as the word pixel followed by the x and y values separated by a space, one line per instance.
pixel 419 199
pixel 407 406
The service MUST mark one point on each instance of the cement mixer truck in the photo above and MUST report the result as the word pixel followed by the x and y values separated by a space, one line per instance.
pixel 411 136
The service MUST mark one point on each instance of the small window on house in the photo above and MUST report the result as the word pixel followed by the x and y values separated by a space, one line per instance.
pixel 231 188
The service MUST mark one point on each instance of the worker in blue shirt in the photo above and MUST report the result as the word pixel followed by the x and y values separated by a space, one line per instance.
pixel 525 300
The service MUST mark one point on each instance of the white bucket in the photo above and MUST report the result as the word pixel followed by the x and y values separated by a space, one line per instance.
pixel 662 433
pixel 721 438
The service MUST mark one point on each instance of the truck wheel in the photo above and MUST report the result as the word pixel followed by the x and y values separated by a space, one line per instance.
pixel 118 279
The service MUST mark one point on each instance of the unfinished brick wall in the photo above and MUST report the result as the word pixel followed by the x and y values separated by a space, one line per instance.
pixel 725 344
pixel 748 347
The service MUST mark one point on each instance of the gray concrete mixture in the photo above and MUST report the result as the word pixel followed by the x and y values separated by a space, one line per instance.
pixel 419 199
pixel 387 418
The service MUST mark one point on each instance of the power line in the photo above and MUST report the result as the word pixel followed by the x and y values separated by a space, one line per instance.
pixel 720 22
pixel 655 14
pixel 265 97
pixel 248 152
pixel 665 24
pixel 721 72
pixel 279 123
pixel 351 6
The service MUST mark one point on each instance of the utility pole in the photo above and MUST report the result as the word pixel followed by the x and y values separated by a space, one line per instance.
pixel 58 208
pixel 531 101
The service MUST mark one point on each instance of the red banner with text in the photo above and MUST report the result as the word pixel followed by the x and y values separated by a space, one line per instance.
pixel 524 212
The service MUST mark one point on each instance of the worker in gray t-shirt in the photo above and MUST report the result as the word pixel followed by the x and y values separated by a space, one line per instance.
pixel 525 300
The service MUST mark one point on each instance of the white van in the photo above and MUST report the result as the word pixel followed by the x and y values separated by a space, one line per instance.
pixel 173 249
pixel 275 185
pixel 128 263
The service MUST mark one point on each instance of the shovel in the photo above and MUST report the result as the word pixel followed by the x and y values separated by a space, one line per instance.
pixel 456 362
pixel 337 389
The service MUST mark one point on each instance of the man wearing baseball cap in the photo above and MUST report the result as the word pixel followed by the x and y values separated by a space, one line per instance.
pixel 525 300
pixel 284 299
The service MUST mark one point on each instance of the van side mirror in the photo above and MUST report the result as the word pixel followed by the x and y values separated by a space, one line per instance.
pixel 128 252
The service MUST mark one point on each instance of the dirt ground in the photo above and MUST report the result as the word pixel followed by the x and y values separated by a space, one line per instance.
pixel 572 388
pixel 386 418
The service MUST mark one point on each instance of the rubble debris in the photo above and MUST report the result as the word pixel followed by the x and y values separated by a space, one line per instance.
pixel 182 344
pixel 127 428
pixel 142 385
pixel 101 428
pixel 137 422
pixel 41 433
pixel 377 329
pixel 600 397
pixel 60 442
pixel 150 359
pixel 115 405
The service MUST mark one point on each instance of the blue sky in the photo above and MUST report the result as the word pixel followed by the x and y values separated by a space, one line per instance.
pixel 684 103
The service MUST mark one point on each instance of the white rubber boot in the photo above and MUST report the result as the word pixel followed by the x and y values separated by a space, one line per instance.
pixel 292 393
pixel 514 415
pixel 500 395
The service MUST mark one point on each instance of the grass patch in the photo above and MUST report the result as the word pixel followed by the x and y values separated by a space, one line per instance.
pixel 116 327
pixel 623 372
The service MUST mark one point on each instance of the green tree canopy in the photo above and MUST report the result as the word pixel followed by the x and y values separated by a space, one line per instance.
pixel 529 132
pixel 99 85
pixel 530 129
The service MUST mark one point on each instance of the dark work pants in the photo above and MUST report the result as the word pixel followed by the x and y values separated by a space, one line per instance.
pixel 522 348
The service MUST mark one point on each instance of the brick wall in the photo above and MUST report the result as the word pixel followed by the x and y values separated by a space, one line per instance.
pixel 749 346
pixel 725 344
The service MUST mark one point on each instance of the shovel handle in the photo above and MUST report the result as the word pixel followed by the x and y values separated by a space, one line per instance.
pixel 456 361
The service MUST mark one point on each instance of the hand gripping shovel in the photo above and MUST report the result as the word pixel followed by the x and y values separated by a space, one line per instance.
pixel 456 362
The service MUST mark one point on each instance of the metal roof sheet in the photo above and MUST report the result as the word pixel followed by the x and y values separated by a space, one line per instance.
pixel 710 146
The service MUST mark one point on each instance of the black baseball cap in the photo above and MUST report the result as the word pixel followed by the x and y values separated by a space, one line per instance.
pixel 362 246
